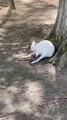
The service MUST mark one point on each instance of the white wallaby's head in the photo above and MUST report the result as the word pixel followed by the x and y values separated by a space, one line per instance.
pixel 33 45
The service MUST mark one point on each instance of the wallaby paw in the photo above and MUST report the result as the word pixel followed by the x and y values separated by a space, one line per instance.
pixel 32 62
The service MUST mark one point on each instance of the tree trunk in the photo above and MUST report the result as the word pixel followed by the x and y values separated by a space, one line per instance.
pixel 59 33
pixel 12 5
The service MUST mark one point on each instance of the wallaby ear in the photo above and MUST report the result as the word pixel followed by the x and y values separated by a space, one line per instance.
pixel 33 43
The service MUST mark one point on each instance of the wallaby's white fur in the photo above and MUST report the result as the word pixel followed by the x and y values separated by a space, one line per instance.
pixel 44 48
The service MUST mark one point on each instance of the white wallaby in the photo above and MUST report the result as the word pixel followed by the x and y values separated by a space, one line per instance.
pixel 44 48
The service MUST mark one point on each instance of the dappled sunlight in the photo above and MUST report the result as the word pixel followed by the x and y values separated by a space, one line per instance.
pixel 3 82
pixel 3 12
pixel 51 17
pixel 7 100
pixel 6 69
pixel 34 12
pixel 13 90
pixel 47 70
pixel 9 117
pixel 51 69
pixel 19 56
pixel 4 53
pixel 34 92
pixel 43 17
pixel 2 31
pixel 51 110
pixel 30 102
pixel 9 59
pixel 26 1
pixel 9 44
pixel 25 107
pixel 1 44
pixel 2 79
pixel 28 91
pixel 52 105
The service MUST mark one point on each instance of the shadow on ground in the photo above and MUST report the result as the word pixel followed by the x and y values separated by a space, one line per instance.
pixel 29 92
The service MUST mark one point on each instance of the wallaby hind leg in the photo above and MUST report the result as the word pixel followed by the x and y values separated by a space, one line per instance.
pixel 30 56
pixel 26 57
pixel 37 59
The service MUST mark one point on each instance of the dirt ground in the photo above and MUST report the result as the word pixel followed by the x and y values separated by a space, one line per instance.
pixel 29 92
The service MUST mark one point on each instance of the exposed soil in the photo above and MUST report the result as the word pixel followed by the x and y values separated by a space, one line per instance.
pixel 29 92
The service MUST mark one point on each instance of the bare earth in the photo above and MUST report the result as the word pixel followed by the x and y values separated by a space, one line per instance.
pixel 29 92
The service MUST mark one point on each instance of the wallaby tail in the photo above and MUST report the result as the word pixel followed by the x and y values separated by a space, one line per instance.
pixel 37 60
